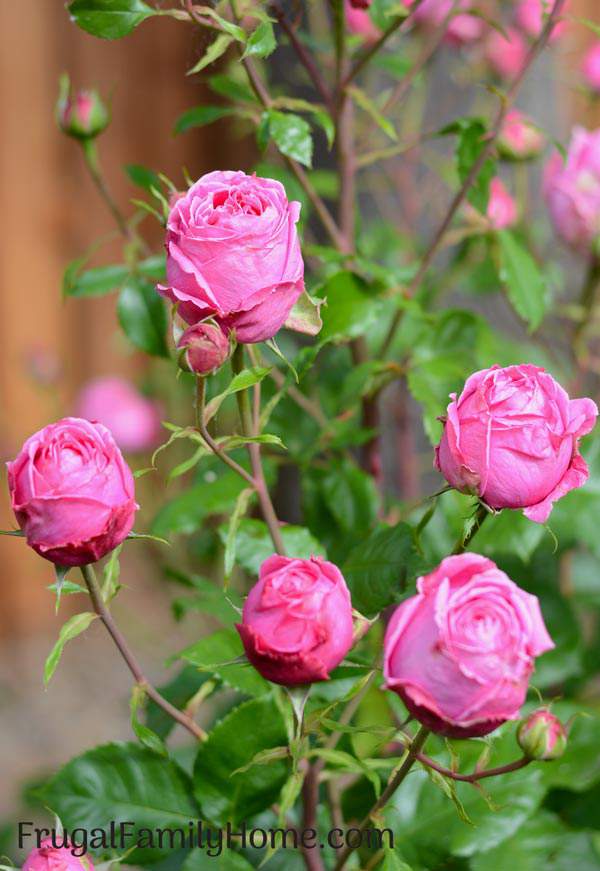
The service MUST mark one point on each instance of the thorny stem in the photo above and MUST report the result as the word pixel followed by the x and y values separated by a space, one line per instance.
pixel 258 476
pixel 130 660
pixel 473 173
pixel 415 748
pixel 465 540
pixel 476 775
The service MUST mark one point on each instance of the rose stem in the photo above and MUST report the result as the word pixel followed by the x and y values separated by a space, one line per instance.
pixel 485 153
pixel 415 748
pixel 465 540
pixel 260 485
pixel 102 611
pixel 476 775
pixel 201 427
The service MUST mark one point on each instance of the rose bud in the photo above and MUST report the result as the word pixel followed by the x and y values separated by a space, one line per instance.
pixel 506 55
pixel 572 190
pixel 80 114
pixel 542 736
pixel 233 254
pixel 519 138
pixel 360 23
pixel 133 419
pixel 531 16
pixel 460 652
pixel 502 208
pixel 206 347
pixel 297 620
pixel 461 29
pixel 46 857
pixel 72 492
pixel 512 438
pixel 591 67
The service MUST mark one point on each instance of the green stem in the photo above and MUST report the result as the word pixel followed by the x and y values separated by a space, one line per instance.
pixel 203 430
pixel 134 667
pixel 587 303
pixel 260 484
pixel 465 539
pixel 413 751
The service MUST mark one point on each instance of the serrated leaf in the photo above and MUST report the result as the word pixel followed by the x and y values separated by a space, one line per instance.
pixel 305 316
pixel 261 42
pixel 71 629
pixel 254 545
pixel 142 177
pixel 143 733
pixel 217 653
pixel 244 379
pixel 215 50
pixel 291 134
pixel 524 283
pixel 109 19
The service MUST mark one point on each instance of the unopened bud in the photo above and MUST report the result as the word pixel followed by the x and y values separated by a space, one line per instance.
pixel 519 138
pixel 206 347
pixel 542 736
pixel 80 114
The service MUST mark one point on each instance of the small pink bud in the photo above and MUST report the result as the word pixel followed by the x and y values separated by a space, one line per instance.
pixel 542 736
pixel 206 347
pixel 591 67
pixel 502 209
pixel 80 114
pixel 506 55
pixel 47 857
pixel 519 138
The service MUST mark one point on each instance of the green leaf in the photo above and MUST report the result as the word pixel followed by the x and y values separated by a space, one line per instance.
pixel 95 282
pixel 244 379
pixel 253 543
pixel 216 654
pixel 365 102
pixel 143 317
pixel 241 506
pixel 261 42
pixel 229 27
pixel 143 733
pixel 122 782
pixel 178 692
pixel 351 496
pixel 305 316
pixel 112 570
pixel 61 574
pixel 250 728
pixel 228 860
pixel 291 134
pixel 143 177
pixel 207 598
pixel 227 86
pixel 200 116
pixel 215 50
pixel 472 134
pixel 381 569
pixel 109 19
pixel 350 309
pixel 185 513
pixel 522 279
pixel 71 629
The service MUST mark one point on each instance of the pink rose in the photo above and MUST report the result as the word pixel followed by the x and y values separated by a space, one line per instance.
pixel 133 420
pixel 531 16
pixel 572 190
pixel 505 56
pixel 360 23
pixel 591 67
pixel 72 492
pixel 233 254
pixel 519 138
pixel 207 347
pixel 512 438
pixel 502 208
pixel 46 857
pixel 297 620
pixel 462 28
pixel 460 652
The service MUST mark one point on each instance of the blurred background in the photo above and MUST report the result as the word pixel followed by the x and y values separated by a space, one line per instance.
pixel 51 214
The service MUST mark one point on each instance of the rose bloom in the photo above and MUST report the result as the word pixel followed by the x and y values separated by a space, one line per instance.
pixel 531 15
pixel 297 620
pixel 460 652
pixel 572 190
pixel 462 28
pixel 133 419
pixel 502 208
pixel 46 857
pixel 360 23
pixel 591 67
pixel 72 492
pixel 512 438
pixel 506 57
pixel 519 138
pixel 233 254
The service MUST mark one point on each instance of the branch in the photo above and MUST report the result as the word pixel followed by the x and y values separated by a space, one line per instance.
pixel 477 522
pixel 476 775
pixel 215 448
pixel 411 756
pixel 304 56
pixel 134 667
pixel 460 197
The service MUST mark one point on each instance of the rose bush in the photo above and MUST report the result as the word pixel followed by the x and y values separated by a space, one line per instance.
pixel 512 437
pixel 72 492
pixel 233 254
